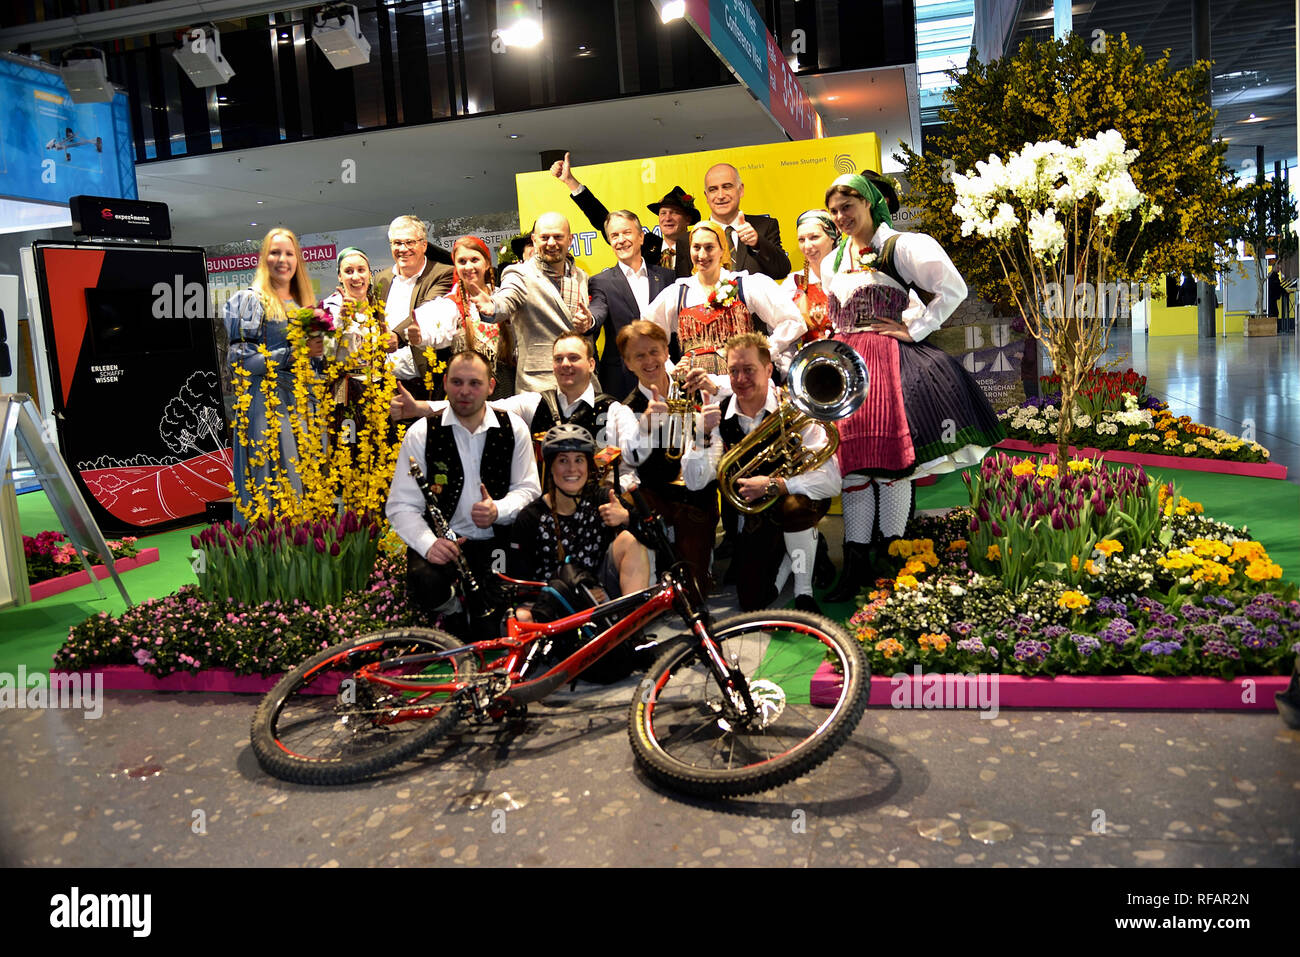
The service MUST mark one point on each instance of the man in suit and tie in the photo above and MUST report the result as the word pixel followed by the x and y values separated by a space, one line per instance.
pixel 417 276
pixel 755 240
pixel 669 247
pixel 543 298
pixel 621 294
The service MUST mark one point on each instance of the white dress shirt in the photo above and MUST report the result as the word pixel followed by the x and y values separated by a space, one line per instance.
pixel 396 308
pixel 700 463
pixel 919 259
pixel 635 436
pixel 525 405
pixel 639 280
pixel 763 298
pixel 405 508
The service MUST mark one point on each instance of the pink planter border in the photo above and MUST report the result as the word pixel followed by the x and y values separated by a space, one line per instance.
pixel 57 586
pixel 210 680
pixel 1099 692
pixel 1269 470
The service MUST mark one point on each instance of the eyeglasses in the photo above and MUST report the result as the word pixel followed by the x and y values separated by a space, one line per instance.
pixel 404 243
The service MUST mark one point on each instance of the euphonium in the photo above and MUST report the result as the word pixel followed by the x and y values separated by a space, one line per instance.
pixel 827 381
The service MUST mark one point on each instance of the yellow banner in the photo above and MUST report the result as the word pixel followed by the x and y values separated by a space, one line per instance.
pixel 781 180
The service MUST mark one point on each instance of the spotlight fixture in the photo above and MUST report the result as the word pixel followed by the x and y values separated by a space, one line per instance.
pixel 670 10
pixel 519 23
pixel 86 76
pixel 337 31
pixel 200 57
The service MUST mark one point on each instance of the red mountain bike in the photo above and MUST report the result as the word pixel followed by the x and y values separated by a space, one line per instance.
pixel 725 710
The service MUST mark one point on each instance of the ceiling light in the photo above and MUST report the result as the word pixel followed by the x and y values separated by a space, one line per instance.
pixel 1256 119
pixel 519 23
pixel 259 202
pixel 337 31
pixel 831 99
pixel 514 136
pixel 670 10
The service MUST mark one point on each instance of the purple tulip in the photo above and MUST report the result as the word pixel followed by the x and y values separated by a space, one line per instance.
pixel 1098 504
pixel 221 540
pixel 350 521
pixel 1003 514
pixel 974 524
pixel 300 537
pixel 237 530
pixel 996 530
pixel 374 532
pixel 1069 521
pixel 334 549
pixel 982 512
pixel 1058 523
pixel 1040 510
pixel 320 544
pixel 194 540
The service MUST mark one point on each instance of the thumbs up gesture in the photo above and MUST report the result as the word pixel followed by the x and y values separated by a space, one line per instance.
pixel 745 233
pixel 480 297
pixel 560 170
pixel 403 405
pixel 612 513
pixel 484 511
pixel 657 404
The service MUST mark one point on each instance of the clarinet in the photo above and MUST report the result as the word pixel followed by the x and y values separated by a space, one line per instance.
pixel 473 592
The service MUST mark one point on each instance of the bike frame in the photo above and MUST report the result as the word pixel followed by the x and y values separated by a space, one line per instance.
pixel 642 607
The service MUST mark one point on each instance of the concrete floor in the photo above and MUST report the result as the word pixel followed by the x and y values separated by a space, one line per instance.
pixel 171 780
pixel 1146 789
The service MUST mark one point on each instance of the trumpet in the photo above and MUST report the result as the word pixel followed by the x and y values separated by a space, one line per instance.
pixel 827 381
pixel 681 411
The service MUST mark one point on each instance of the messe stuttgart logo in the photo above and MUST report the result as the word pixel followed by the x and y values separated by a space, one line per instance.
pixel 844 163
pixel 106 213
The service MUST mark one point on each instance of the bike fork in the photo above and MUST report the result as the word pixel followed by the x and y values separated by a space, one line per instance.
pixel 729 677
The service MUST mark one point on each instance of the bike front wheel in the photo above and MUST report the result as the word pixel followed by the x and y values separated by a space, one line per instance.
pixel 693 734
pixel 332 720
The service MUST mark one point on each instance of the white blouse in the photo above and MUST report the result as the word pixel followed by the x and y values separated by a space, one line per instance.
pixel 763 298
pixel 919 259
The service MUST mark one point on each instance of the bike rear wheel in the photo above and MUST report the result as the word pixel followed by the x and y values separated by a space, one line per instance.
pixel 690 734
pixel 325 722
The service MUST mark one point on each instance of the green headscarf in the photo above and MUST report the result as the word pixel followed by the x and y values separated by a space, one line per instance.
pixel 347 251
pixel 822 218
pixel 866 189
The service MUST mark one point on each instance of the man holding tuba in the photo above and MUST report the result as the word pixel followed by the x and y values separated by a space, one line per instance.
pixel 761 473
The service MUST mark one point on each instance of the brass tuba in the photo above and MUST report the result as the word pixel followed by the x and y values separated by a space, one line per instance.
pixel 827 381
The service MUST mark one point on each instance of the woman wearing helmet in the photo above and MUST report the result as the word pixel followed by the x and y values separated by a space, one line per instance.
pixel 575 521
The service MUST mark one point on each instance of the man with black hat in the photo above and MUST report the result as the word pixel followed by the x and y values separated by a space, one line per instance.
pixel 676 212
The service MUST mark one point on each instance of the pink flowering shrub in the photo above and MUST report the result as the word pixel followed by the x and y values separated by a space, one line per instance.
pixel 50 556
pixel 186 632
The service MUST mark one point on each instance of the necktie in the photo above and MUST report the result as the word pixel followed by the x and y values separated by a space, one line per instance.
pixel 666 258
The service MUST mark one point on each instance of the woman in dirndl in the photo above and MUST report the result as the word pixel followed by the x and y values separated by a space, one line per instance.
pixel 713 304
pixel 924 413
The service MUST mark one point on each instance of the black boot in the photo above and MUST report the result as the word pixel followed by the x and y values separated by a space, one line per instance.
pixel 823 567
pixel 853 576
pixel 881 563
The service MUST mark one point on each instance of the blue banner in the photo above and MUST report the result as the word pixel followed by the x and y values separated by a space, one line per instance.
pixel 52 148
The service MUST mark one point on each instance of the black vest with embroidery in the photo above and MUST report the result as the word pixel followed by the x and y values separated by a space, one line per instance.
pixel 446 472
pixel 657 468
pixel 549 413
pixel 731 432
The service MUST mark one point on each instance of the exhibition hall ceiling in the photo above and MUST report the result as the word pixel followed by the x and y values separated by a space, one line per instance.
pixel 465 167
pixel 1252 44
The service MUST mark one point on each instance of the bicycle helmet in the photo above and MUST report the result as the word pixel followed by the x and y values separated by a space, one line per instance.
pixel 567 437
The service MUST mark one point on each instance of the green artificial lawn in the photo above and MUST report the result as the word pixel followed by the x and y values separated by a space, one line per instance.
pixel 31 634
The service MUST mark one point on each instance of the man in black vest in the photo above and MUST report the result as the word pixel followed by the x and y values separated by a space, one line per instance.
pixel 621 294
pixel 479 464
pixel 652 441
pixel 574 399
pixel 786 532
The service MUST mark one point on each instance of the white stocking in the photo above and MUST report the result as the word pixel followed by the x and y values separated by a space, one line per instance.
pixel 801 550
pixel 859 509
pixel 895 508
